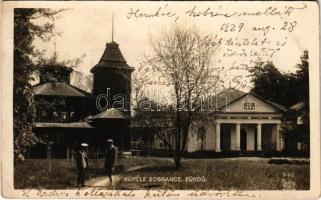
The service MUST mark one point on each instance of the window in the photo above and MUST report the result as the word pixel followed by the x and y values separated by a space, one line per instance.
pixel 249 106
pixel 299 120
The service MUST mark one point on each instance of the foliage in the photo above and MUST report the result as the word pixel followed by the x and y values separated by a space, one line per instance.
pixel 183 57
pixel 25 57
pixel 301 78
pixel 286 89
pixel 138 82
pixel 82 81
pixel 50 109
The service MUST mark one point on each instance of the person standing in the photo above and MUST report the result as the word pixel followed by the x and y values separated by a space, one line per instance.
pixel 110 159
pixel 82 164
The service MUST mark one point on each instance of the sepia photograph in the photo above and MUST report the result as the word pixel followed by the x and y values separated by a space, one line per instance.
pixel 160 99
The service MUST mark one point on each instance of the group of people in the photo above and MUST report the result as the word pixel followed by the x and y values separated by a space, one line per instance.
pixel 81 155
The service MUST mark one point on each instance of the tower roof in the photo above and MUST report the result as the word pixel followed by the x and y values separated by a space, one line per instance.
pixel 112 58
pixel 112 53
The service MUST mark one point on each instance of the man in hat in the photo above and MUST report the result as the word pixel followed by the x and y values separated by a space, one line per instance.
pixel 110 159
pixel 81 164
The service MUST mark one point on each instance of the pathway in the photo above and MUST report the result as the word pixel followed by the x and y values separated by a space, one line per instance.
pixel 103 181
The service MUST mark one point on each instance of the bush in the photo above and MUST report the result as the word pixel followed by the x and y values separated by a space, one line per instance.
pixel 282 161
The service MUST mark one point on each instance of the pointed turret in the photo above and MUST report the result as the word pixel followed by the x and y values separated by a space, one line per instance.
pixel 112 58
pixel 113 74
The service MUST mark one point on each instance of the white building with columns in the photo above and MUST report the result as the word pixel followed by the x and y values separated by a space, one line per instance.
pixel 240 122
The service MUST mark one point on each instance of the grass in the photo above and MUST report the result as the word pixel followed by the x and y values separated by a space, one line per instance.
pixel 34 173
pixel 240 173
pixel 245 174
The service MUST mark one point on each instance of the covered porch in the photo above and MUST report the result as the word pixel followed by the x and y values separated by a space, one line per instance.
pixel 248 135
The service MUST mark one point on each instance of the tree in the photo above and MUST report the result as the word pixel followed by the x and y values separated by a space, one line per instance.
pixel 139 82
pixel 300 129
pixel 25 58
pixel 182 56
pixel 82 81
pixel 270 83
pixel 286 89
pixel 301 78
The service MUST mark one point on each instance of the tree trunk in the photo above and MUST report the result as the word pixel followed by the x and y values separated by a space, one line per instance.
pixel 177 159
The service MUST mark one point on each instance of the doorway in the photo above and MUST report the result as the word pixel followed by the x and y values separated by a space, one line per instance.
pixel 243 139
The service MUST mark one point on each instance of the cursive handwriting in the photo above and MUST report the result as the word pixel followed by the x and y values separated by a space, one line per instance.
pixel 209 193
pixel 196 11
pixel 147 194
pixel 159 12
pixel 209 12
pixel 161 193
pixel 218 12
pixel 98 192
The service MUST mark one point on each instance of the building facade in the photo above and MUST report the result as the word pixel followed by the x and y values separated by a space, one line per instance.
pixel 246 122
pixel 238 121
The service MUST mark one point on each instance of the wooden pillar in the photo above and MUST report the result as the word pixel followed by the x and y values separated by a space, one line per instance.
pixel 282 142
pixel 72 158
pixel 68 154
pixel 218 137
pixel 97 157
pixel 259 137
pixel 281 137
pixel 238 136
pixel 121 141
pixel 278 138
pixel 49 156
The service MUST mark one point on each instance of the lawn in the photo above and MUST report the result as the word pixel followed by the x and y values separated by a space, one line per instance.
pixel 238 173
pixel 34 173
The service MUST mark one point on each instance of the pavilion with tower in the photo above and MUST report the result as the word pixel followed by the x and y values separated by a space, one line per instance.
pixel 66 114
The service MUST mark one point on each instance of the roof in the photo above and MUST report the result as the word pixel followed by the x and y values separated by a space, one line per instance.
pixel 226 97
pixel 231 95
pixel 63 125
pixel 112 58
pixel 276 105
pixel 111 114
pixel 112 53
pixel 59 89
pixel 298 106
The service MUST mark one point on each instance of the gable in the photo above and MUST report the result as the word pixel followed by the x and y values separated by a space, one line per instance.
pixel 251 103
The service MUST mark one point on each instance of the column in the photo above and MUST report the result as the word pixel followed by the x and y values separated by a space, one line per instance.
pixel 238 136
pixel 281 138
pixel 218 137
pixel 259 137
pixel 278 138
pixel 282 142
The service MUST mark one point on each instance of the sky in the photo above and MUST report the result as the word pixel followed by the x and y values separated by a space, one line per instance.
pixel 86 30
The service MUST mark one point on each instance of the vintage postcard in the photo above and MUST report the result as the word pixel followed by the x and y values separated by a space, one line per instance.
pixel 160 100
